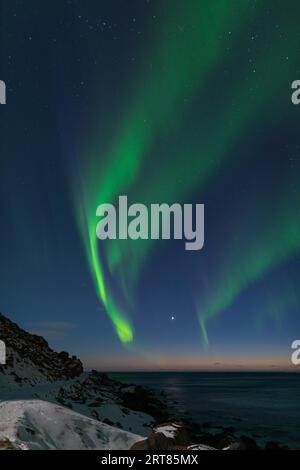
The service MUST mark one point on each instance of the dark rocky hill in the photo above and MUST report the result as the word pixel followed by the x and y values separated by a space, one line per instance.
pixel 30 360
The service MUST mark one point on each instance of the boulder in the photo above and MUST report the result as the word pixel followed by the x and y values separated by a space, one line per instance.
pixel 168 436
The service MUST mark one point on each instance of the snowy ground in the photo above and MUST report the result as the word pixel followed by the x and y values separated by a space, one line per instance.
pixel 37 424
pixel 132 421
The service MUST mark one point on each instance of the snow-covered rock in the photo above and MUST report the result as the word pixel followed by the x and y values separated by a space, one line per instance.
pixel 169 436
pixel 36 424
pixel 168 430
pixel 35 372
pixel 196 447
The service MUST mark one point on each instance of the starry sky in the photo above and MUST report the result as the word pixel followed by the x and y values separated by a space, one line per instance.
pixel 168 101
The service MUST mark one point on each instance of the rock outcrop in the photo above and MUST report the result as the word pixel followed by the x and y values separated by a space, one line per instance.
pixel 168 436
pixel 34 371
pixel 30 360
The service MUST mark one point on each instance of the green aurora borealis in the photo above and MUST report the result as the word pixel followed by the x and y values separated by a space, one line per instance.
pixel 180 76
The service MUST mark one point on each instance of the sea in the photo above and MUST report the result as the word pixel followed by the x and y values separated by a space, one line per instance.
pixel 265 406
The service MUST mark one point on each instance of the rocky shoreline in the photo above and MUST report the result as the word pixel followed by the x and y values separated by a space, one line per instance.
pixel 185 434
pixel 41 378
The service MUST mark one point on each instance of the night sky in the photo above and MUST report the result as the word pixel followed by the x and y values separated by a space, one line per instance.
pixel 164 101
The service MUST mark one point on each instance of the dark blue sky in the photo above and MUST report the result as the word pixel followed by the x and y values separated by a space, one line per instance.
pixel 71 69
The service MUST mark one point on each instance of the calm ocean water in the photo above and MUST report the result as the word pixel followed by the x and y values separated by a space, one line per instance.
pixel 263 405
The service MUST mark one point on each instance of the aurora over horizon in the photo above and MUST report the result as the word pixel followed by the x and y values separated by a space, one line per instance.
pixel 165 102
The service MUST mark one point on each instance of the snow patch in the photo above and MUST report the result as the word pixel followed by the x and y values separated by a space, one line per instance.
pixel 36 425
pixel 168 430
